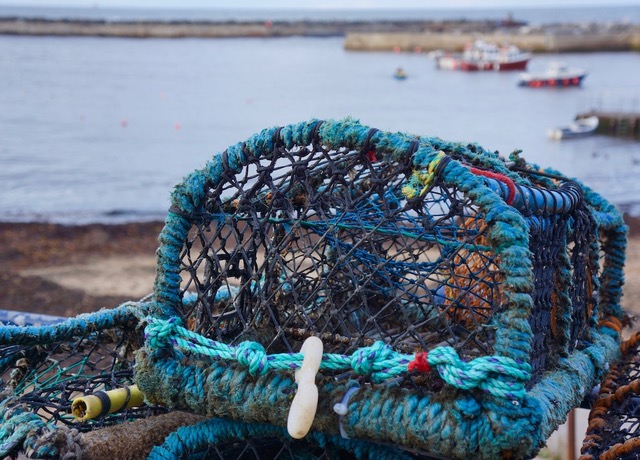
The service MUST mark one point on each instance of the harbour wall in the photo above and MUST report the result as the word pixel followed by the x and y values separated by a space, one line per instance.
pixel 535 42
pixel 216 29
pixel 402 35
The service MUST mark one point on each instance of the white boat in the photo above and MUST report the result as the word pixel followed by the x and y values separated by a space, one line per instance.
pixel 579 128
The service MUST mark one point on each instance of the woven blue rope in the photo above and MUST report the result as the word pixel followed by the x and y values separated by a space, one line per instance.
pixel 21 429
pixel 127 314
pixel 216 432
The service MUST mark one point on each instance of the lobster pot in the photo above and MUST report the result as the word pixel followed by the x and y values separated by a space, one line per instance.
pixel 465 304
pixel 614 420
pixel 46 365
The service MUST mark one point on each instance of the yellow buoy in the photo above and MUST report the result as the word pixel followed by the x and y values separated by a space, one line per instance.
pixel 106 402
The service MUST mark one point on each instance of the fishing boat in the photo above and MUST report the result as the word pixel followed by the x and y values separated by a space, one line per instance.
pixel 557 75
pixel 483 56
pixel 579 128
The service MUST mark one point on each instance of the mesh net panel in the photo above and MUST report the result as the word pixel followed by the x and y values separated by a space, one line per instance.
pixel 320 242
pixel 47 378
pixel 584 282
pixel 614 422
pixel 263 448
pixel 558 241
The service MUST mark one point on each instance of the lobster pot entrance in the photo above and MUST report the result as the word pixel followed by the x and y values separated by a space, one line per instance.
pixel 339 244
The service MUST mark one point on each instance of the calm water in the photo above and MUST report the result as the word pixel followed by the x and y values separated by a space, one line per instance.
pixel 100 129
pixel 628 13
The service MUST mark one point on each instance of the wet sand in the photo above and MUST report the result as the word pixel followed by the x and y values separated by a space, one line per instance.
pixel 66 270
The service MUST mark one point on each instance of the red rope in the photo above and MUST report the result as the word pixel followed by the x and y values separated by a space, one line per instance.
pixel 419 363
pixel 499 177
pixel 371 155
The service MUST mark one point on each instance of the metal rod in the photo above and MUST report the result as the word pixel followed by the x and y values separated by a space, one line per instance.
pixel 571 435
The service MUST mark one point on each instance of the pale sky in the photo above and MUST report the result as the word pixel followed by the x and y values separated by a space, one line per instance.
pixel 321 4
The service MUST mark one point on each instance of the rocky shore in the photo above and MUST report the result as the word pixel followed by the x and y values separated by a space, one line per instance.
pixel 66 270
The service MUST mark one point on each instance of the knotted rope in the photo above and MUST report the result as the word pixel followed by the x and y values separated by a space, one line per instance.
pixel 20 428
pixel 420 182
pixel 497 375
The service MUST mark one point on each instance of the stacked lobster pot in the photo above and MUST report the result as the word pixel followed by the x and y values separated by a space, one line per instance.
pixel 614 420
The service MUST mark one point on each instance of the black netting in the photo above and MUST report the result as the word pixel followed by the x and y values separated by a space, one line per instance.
pixel 560 245
pixel 273 448
pixel 319 242
pixel 546 244
pixel 584 266
pixel 47 378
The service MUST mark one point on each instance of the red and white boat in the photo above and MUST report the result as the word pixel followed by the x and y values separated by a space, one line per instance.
pixel 557 75
pixel 483 56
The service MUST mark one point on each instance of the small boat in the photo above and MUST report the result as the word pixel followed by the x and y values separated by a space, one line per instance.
pixel 483 56
pixel 558 75
pixel 579 128
pixel 400 74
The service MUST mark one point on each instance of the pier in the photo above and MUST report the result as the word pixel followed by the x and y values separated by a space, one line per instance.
pixel 619 124
pixel 537 41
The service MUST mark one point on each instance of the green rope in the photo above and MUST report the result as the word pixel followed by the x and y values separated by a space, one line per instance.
pixel 497 375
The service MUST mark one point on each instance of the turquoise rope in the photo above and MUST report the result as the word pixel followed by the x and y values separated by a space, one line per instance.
pixel 453 423
pixel 20 431
pixel 215 432
pixel 127 314
pixel 497 375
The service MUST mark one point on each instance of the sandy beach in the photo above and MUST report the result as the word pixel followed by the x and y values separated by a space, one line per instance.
pixel 65 270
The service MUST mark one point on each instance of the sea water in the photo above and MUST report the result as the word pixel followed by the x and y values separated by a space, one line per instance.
pixel 532 15
pixel 101 129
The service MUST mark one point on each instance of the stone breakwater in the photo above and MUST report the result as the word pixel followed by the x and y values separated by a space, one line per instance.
pixel 406 35
pixel 535 42
pixel 212 29
pixel 551 38
pixel 402 35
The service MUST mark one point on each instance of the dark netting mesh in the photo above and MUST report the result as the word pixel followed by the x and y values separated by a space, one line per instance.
pixel 270 448
pixel 614 421
pixel 583 289
pixel 319 242
pixel 273 448
pixel 558 241
pixel 546 244
pixel 46 378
